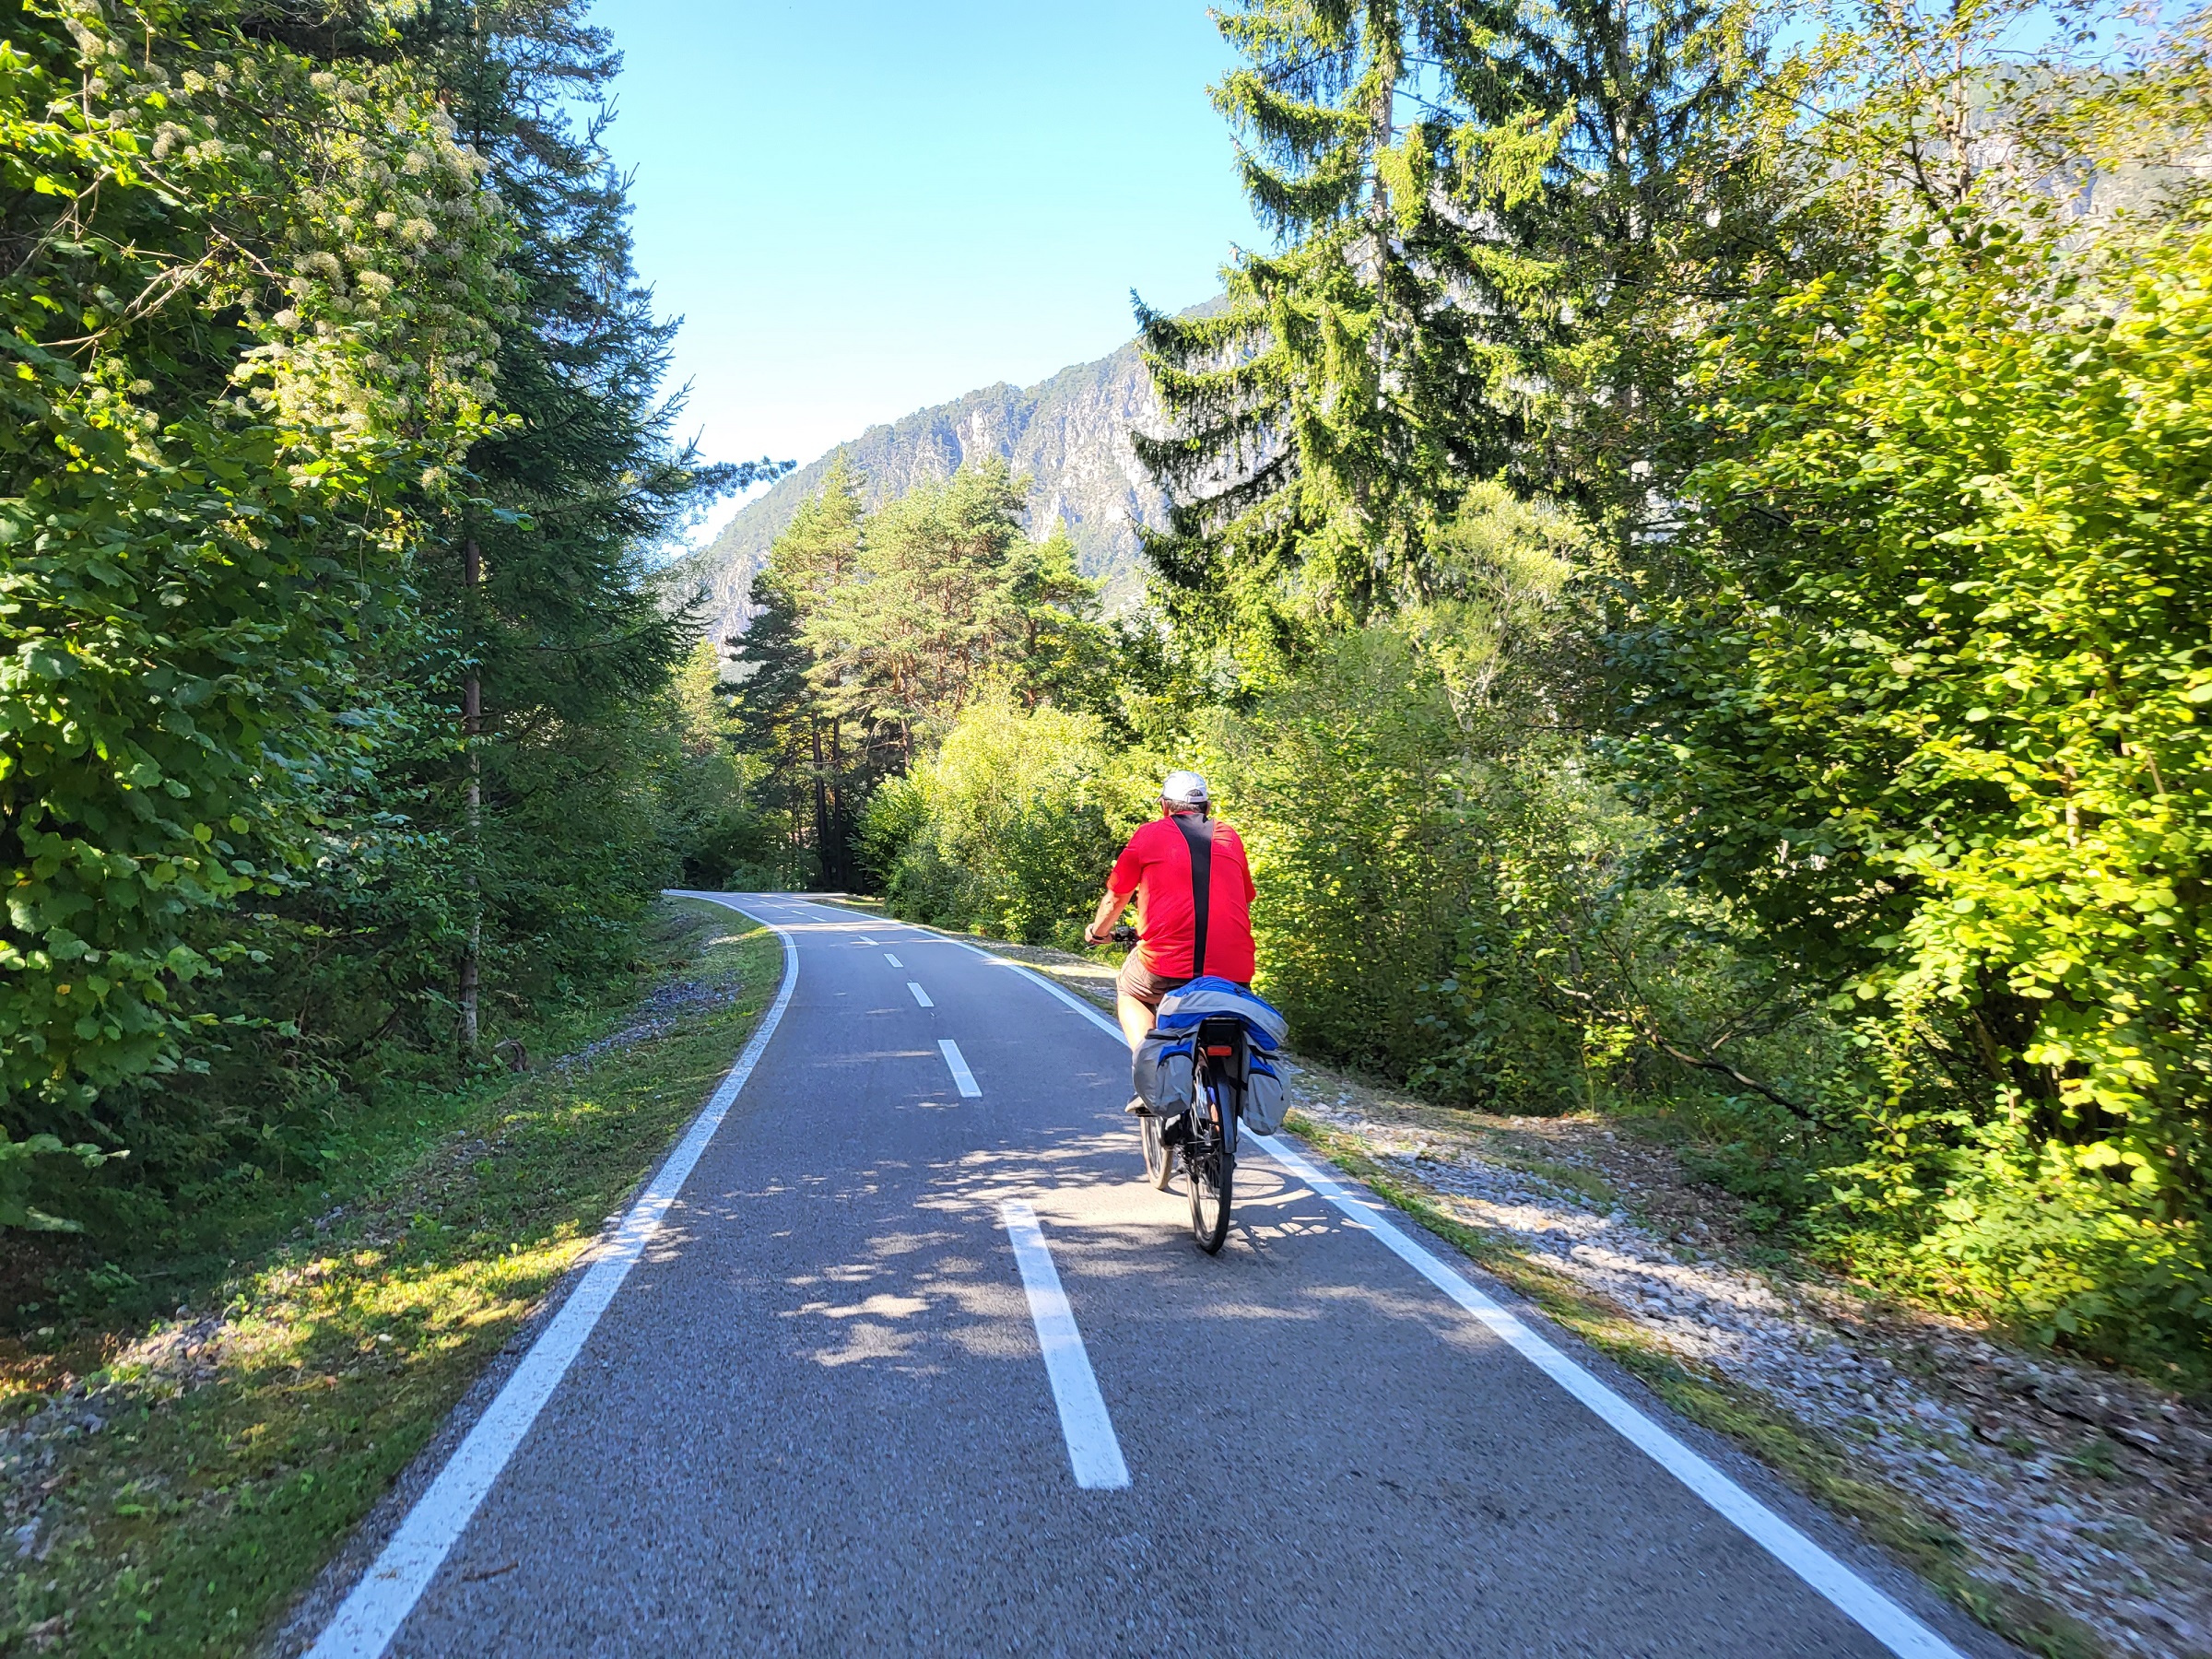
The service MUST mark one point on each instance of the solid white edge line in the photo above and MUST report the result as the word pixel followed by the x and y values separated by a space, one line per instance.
pixel 370 1616
pixel 962 1078
pixel 1844 1590
pixel 920 996
pixel 1836 1584
pixel 1094 1452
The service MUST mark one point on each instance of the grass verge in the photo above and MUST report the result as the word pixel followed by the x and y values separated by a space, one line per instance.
pixel 176 1499
pixel 1804 1457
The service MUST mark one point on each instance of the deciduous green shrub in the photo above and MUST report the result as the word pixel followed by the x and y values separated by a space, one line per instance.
pixel 245 317
pixel 1939 728
pixel 1012 825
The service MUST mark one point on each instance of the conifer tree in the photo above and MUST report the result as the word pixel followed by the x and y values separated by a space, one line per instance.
pixel 782 716
pixel 1305 411
pixel 1454 293
pixel 561 638
pixel 874 630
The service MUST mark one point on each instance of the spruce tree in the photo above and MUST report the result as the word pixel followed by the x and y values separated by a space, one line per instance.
pixel 1488 216
pixel 561 638
pixel 1306 451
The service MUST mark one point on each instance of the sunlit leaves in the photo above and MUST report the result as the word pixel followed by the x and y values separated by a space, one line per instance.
pixel 248 304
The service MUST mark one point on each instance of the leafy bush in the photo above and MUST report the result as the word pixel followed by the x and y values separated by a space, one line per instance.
pixel 1342 783
pixel 1011 826
pixel 305 326
pixel 1939 731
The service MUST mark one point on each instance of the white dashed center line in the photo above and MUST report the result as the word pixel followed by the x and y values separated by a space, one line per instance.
pixel 893 961
pixel 1093 1449
pixel 960 1074
pixel 922 996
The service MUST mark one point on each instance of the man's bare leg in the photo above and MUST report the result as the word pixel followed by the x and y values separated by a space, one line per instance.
pixel 1136 1019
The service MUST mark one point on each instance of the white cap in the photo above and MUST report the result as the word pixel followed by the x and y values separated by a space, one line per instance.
pixel 1186 789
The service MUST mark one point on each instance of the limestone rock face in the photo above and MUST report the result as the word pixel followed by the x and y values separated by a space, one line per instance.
pixel 1070 435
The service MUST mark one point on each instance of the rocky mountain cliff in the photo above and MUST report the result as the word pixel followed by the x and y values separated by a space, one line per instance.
pixel 1070 434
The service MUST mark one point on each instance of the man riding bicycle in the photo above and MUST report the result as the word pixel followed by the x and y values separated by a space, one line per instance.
pixel 1158 869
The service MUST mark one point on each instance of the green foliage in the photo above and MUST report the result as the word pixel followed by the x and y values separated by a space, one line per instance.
pixel 1927 711
pixel 878 630
pixel 1010 826
pixel 1342 785
pixel 205 439
pixel 1493 290
pixel 307 329
pixel 722 839
pixel 1847 798
pixel 1978 809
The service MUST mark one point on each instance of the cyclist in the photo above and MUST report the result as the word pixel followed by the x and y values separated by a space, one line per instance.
pixel 1162 867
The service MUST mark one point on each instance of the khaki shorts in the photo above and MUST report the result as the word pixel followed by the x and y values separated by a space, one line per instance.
pixel 1140 982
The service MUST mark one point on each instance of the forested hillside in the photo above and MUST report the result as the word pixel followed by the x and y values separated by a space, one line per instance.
pixel 1071 436
pixel 1688 578
pixel 339 735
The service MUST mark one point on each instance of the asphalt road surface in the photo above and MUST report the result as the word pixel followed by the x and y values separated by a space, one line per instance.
pixel 818 1415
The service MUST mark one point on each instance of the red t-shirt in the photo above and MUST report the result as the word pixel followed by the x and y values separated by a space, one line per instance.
pixel 1156 866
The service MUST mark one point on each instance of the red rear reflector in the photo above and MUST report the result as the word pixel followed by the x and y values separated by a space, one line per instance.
pixel 1220 1051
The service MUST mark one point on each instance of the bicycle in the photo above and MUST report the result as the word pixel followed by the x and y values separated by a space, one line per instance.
pixel 1220 1062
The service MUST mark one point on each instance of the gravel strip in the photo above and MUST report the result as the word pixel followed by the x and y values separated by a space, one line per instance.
pixel 2079 1487
pixel 657 1016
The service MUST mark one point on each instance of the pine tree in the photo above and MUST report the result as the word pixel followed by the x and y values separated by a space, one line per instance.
pixel 898 650
pixel 815 767
pixel 561 638
pixel 775 720
pixel 874 630
pixel 1455 295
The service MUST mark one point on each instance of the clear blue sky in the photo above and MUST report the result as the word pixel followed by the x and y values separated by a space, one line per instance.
pixel 863 207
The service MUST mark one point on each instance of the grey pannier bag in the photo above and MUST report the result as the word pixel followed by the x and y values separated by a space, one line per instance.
pixel 1183 1011
pixel 1264 1097
pixel 1161 1072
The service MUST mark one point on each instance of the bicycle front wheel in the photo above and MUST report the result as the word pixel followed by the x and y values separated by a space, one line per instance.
pixel 1160 1163
pixel 1212 1173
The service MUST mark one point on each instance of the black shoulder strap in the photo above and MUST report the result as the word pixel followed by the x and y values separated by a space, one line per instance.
pixel 1199 835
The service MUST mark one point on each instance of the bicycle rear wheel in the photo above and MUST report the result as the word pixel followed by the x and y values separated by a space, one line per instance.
pixel 1211 1171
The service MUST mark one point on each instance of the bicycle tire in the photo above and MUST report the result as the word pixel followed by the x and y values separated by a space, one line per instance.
pixel 1212 1173
pixel 1160 1162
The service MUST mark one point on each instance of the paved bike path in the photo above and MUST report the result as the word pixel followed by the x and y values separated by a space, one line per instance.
pixel 814 1419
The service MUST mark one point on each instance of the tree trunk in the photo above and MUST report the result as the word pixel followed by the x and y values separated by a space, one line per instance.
pixel 821 800
pixel 836 868
pixel 472 727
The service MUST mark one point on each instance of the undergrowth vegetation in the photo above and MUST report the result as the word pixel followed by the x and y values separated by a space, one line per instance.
pixel 179 1481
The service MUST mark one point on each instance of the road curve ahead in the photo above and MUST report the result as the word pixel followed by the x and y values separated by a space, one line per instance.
pixel 915 1362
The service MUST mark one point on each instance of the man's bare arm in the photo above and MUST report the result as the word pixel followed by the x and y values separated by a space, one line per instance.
pixel 1111 906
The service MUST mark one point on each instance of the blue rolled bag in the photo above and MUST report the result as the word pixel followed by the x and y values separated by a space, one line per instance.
pixel 1164 1062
